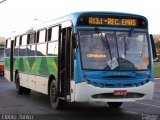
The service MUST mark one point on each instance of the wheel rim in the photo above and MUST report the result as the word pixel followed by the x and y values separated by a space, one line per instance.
pixel 53 94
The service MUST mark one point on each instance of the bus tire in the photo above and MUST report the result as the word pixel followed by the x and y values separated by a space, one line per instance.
pixel 115 104
pixel 55 101
pixel 19 89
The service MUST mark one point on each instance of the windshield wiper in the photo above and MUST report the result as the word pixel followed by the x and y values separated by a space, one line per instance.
pixel 127 41
pixel 107 46
pixel 129 38
pixel 106 43
pixel 126 44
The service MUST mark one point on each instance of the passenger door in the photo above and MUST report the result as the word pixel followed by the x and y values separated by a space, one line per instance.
pixel 65 71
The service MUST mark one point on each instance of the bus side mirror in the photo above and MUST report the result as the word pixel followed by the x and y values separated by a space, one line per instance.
pixel 153 47
pixel 74 41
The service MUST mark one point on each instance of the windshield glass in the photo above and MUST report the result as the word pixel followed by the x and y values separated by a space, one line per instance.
pixel 114 50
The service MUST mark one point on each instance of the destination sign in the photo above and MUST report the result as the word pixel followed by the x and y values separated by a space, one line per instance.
pixel 112 21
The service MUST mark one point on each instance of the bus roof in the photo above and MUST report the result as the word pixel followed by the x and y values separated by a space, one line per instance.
pixel 73 17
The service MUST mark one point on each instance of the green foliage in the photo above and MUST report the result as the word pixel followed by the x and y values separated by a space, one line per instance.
pixel 156 69
pixel 1 45
pixel 157 44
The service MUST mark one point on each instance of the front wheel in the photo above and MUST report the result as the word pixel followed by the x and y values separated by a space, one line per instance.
pixel 55 101
pixel 114 104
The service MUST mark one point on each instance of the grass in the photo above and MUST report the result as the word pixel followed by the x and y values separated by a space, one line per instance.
pixel 156 69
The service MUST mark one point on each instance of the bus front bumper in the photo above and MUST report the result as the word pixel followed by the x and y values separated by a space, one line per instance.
pixel 88 93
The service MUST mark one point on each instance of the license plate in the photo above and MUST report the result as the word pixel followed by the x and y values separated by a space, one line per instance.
pixel 120 92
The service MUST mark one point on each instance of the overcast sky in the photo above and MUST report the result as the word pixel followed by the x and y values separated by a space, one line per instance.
pixel 16 15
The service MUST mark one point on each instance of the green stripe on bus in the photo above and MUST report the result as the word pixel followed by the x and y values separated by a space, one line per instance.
pixel 41 66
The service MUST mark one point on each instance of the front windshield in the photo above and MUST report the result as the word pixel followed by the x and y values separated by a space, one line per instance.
pixel 114 50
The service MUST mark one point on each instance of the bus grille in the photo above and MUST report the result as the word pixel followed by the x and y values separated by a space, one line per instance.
pixel 113 85
pixel 112 96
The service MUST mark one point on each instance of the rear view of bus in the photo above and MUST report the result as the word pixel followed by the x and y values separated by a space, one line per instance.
pixel 114 59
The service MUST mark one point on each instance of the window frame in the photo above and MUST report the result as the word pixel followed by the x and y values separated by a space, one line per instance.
pixel 30 44
pixel 38 36
pixel 16 46
pixel 38 43
pixel 23 46
pixel 50 41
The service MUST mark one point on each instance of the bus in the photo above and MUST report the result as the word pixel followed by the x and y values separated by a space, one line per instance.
pixel 84 57
pixel 2 59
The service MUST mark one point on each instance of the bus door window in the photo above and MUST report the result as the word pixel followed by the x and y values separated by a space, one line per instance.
pixel 53 34
pixel 53 48
pixel 65 61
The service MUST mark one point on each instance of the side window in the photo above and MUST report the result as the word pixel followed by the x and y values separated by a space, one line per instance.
pixel 41 45
pixel 41 49
pixel 53 35
pixel 24 40
pixel 41 36
pixel 31 38
pixel 23 43
pixel 8 43
pixel 31 50
pixel 16 47
pixel 17 41
pixel 8 46
pixel 53 48
pixel 31 47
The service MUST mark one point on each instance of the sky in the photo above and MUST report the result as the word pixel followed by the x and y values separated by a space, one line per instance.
pixel 18 15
